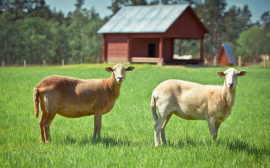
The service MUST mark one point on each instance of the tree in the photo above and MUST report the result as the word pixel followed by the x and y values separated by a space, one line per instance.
pixel 79 5
pixel 244 18
pixel 9 37
pixel 59 48
pixel 230 18
pixel 118 4
pixel 253 42
pixel 40 9
pixel 35 40
pixel 235 21
pixel 211 13
pixel 265 19
pixel 83 40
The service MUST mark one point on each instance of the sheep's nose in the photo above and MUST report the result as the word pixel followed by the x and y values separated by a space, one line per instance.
pixel 120 77
pixel 231 84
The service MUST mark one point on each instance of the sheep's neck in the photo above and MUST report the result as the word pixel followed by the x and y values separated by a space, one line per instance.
pixel 114 87
pixel 228 95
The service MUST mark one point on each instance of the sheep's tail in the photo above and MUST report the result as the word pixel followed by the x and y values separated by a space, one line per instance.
pixel 153 107
pixel 36 101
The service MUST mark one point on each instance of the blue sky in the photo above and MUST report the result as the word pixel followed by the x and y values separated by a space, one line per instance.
pixel 257 7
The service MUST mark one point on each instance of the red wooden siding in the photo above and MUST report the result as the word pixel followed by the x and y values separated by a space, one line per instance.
pixel 140 46
pixel 223 59
pixel 186 26
pixel 167 49
pixel 117 48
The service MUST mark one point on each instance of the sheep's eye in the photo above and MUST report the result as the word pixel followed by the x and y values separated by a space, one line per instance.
pixel 113 70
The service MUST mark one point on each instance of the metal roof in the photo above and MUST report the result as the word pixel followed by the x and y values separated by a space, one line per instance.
pixel 143 19
pixel 229 53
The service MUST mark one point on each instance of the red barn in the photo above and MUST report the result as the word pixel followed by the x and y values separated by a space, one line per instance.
pixel 147 33
pixel 225 56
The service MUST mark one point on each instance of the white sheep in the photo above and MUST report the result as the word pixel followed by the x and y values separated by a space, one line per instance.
pixel 194 101
pixel 73 98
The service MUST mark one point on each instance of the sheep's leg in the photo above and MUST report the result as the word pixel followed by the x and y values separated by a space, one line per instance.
pixel 163 113
pixel 157 129
pixel 163 138
pixel 41 123
pixel 97 126
pixel 212 128
pixel 217 125
pixel 41 126
pixel 47 124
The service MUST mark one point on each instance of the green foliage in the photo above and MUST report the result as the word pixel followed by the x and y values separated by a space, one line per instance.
pixel 30 31
pixel 187 47
pixel 84 42
pixel 36 38
pixel 127 136
pixel 254 42
pixel 224 26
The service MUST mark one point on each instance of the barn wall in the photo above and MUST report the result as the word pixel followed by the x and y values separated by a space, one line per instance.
pixel 167 49
pixel 186 26
pixel 117 47
pixel 140 46
pixel 223 59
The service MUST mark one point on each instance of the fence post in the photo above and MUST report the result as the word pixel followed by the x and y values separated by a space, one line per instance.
pixel 97 60
pixel 63 62
pixel 215 60
pixel 239 61
pixel 44 63
pixel 265 61
pixel 24 63
pixel 3 63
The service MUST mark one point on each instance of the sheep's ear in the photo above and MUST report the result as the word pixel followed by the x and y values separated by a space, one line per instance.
pixel 109 69
pixel 220 73
pixel 130 68
pixel 241 73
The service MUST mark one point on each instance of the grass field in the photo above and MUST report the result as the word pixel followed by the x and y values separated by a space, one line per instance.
pixel 127 136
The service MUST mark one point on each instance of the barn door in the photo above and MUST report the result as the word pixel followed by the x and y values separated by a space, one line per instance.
pixel 151 50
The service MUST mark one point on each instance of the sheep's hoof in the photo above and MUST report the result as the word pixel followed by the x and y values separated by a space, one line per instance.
pixel 213 140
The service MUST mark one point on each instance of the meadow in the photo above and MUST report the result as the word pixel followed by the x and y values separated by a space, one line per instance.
pixel 127 136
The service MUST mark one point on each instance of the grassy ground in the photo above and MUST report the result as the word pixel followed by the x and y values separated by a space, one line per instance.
pixel 127 138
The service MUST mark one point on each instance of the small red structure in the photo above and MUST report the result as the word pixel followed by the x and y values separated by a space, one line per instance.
pixel 147 33
pixel 225 56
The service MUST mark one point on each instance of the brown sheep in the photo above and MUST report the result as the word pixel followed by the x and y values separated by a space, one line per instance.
pixel 73 98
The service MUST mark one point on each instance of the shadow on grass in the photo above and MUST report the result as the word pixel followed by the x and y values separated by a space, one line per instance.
pixel 105 141
pixel 233 145
pixel 187 141
pixel 241 146
pixel 109 141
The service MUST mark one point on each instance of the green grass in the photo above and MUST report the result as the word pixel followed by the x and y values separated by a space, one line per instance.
pixel 127 138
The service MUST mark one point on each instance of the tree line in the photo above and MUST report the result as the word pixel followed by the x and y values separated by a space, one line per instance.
pixel 31 31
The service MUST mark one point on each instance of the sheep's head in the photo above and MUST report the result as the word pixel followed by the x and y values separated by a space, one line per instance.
pixel 231 76
pixel 119 72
